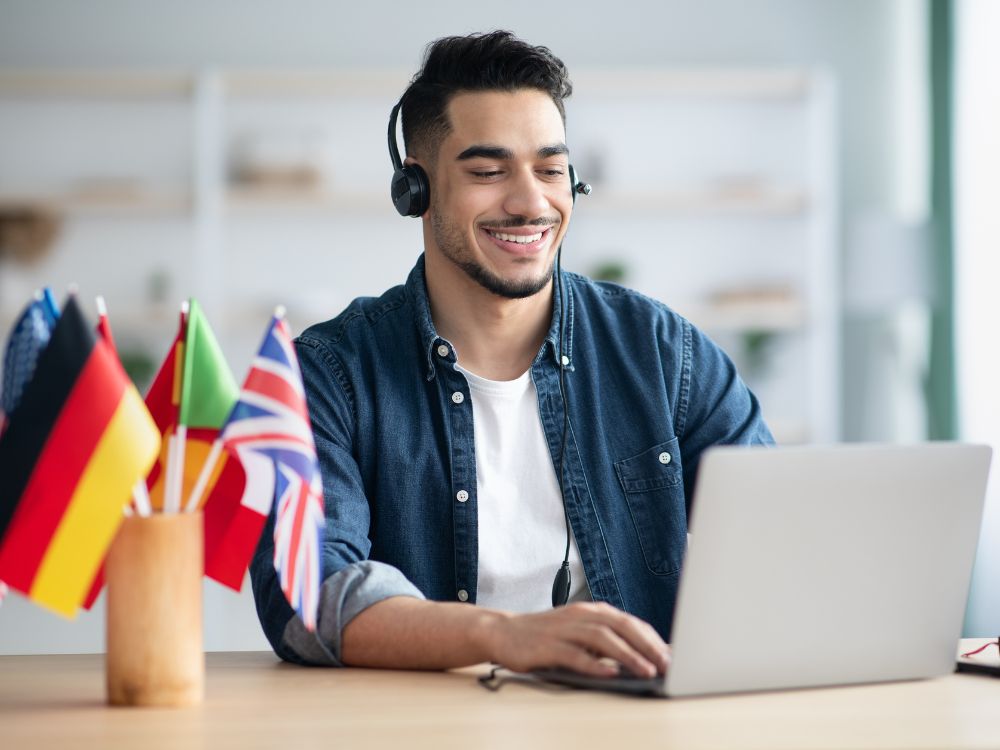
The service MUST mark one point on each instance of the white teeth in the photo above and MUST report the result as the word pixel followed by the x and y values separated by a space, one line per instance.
pixel 518 238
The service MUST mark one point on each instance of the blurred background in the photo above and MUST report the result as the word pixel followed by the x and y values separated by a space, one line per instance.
pixel 808 181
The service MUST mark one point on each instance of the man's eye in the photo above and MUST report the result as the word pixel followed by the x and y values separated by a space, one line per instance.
pixel 485 175
pixel 553 172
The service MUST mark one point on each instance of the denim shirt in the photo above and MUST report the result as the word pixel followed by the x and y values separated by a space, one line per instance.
pixel 392 417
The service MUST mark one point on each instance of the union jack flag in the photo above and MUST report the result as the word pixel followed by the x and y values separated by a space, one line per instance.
pixel 268 430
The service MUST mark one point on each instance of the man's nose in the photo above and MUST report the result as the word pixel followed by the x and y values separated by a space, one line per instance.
pixel 526 196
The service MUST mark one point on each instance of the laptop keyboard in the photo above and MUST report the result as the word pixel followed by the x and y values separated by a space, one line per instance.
pixel 624 682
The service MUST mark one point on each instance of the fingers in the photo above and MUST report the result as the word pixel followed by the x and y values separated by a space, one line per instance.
pixel 600 639
pixel 587 638
pixel 636 644
pixel 582 661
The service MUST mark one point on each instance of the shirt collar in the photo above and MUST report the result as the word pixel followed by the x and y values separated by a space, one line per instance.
pixel 552 337
pixel 416 290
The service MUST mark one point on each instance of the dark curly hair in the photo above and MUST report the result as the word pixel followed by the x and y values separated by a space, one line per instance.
pixel 495 61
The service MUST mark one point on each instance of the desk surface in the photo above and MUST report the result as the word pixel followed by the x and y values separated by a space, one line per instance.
pixel 252 700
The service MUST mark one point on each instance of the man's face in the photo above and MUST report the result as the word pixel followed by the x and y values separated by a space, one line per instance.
pixel 500 192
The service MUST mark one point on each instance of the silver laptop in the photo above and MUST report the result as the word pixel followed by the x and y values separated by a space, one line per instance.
pixel 811 566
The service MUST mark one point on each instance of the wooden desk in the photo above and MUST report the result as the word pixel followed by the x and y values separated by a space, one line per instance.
pixel 254 701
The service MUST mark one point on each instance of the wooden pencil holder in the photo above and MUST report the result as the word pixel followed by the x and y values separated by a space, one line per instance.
pixel 154 614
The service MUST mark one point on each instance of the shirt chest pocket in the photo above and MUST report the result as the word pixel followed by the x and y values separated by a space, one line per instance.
pixel 653 482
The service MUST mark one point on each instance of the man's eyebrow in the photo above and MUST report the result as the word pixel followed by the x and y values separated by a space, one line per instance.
pixel 556 149
pixel 501 153
pixel 482 151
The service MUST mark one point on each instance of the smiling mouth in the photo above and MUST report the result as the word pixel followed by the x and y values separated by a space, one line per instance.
pixel 521 239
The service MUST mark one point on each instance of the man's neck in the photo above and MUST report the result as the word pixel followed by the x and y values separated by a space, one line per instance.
pixel 495 337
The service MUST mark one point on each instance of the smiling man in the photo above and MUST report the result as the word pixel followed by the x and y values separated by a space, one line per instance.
pixel 496 437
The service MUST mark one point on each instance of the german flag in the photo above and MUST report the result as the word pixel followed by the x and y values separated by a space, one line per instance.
pixel 75 446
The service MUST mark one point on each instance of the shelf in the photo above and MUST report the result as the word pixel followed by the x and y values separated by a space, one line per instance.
pixel 246 201
pixel 111 84
pixel 124 204
pixel 776 317
pixel 698 202
pixel 315 83
pixel 761 84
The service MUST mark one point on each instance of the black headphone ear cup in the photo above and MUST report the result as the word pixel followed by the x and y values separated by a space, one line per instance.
pixel 410 190
pixel 573 181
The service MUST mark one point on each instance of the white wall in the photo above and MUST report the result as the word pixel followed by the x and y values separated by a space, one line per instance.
pixel 856 39
pixel 977 274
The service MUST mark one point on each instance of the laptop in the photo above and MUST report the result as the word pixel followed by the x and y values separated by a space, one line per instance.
pixel 812 566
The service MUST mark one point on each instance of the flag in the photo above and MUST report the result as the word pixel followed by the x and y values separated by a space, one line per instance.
pixel 268 430
pixel 208 390
pixel 104 332
pixel 27 340
pixel 140 494
pixel 163 401
pixel 76 444
pixel 207 394
pixel 298 536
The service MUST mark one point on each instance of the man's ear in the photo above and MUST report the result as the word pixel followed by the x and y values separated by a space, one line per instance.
pixel 419 185
pixel 412 160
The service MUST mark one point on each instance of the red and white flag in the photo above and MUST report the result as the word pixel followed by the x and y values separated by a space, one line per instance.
pixel 269 432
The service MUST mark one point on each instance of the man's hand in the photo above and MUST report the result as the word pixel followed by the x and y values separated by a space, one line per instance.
pixel 405 633
pixel 582 637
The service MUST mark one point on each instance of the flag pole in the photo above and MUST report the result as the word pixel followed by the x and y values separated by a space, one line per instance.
pixel 173 502
pixel 169 478
pixel 174 478
pixel 194 502
pixel 140 498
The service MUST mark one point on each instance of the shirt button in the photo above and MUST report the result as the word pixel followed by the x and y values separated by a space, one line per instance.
pixel 664 458
pixel 462 496
pixel 458 397
pixel 565 360
pixel 443 351
pixel 463 595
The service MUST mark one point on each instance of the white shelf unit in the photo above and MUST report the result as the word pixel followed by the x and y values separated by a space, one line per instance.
pixel 708 184
pixel 716 191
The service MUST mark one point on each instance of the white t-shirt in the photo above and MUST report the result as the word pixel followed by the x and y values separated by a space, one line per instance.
pixel 522 526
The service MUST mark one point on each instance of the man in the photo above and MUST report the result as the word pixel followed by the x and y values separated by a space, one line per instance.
pixel 468 421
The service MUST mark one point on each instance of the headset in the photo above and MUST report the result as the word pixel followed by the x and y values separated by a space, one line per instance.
pixel 411 192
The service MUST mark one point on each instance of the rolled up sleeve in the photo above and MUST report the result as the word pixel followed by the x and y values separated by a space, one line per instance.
pixel 351 582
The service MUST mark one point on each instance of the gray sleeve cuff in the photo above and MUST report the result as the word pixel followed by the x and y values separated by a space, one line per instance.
pixel 343 596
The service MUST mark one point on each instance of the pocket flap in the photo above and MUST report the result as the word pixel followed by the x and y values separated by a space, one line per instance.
pixel 654 468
